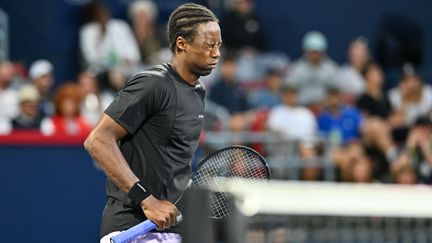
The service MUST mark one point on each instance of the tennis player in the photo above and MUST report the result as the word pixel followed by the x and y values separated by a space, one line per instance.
pixel 145 140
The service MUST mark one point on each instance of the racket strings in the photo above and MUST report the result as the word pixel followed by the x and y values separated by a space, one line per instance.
pixel 236 163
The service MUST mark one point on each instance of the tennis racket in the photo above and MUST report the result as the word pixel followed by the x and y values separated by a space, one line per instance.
pixel 238 162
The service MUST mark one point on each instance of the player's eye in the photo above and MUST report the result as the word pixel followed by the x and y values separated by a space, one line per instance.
pixel 213 46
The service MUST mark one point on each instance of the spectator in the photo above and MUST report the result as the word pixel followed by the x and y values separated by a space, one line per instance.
pixel 412 98
pixel 339 122
pixel 105 41
pixel 340 126
pixel 270 95
pixel 41 74
pixel 380 123
pixel 95 100
pixel 404 175
pixel 227 91
pixel 373 102
pixel 149 36
pixel 297 125
pixel 361 171
pixel 417 153
pixel 29 116
pixel 350 79
pixel 242 28
pixel 315 71
pixel 67 119
pixel 8 97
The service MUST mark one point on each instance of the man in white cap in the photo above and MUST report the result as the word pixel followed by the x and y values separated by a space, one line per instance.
pixel 29 116
pixel 314 71
pixel 41 74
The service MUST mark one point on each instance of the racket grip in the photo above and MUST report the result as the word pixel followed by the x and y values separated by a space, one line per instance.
pixel 139 229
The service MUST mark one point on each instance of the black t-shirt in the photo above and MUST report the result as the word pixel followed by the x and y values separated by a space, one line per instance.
pixel 163 116
pixel 375 107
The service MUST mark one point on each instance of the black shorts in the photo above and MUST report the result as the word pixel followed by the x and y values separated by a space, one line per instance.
pixel 118 217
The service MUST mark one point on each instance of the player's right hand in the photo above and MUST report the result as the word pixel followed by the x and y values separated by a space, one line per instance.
pixel 161 212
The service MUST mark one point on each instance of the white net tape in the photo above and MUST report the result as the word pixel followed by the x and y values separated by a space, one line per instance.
pixel 281 211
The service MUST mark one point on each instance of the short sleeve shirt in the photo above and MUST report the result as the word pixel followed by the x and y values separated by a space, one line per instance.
pixel 376 107
pixel 347 124
pixel 163 115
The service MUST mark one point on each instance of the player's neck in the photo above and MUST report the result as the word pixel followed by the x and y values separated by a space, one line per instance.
pixel 179 66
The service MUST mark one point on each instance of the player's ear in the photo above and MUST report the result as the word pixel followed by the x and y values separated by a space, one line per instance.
pixel 181 44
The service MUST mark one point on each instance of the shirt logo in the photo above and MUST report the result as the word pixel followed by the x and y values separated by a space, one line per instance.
pixel 201 116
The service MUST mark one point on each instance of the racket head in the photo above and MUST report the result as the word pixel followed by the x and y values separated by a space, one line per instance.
pixel 240 162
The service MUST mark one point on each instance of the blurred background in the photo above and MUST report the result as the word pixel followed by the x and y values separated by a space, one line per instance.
pixel 326 90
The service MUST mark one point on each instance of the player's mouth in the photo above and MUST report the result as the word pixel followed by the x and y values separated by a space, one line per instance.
pixel 212 65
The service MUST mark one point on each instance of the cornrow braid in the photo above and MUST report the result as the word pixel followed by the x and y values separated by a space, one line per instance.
pixel 184 20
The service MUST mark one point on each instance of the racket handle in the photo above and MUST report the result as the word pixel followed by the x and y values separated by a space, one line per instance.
pixel 139 229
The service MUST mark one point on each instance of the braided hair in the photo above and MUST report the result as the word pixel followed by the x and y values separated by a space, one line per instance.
pixel 184 20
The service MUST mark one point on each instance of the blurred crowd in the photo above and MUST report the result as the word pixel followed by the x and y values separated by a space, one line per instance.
pixel 368 132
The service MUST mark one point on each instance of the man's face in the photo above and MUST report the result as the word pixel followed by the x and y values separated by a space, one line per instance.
pixel 334 99
pixel 102 15
pixel 228 70
pixel 358 54
pixel 314 57
pixel 375 77
pixel 203 52
pixel 412 84
pixel 274 82
pixel 44 83
pixel 30 108
pixel 289 97
pixel 6 73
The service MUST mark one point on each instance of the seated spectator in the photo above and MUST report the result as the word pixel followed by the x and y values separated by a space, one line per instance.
pixel 29 116
pixel 350 79
pixel 340 126
pixel 8 97
pixel 67 119
pixel 417 153
pixel 404 175
pixel 380 123
pixel 242 28
pixel 95 100
pixel 314 71
pixel 361 171
pixel 227 91
pixel 412 98
pixel 41 74
pixel 150 37
pixel 20 77
pixel 373 102
pixel 339 122
pixel 269 96
pixel 107 42
pixel 297 125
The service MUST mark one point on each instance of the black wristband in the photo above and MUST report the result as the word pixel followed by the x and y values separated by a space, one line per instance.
pixel 138 193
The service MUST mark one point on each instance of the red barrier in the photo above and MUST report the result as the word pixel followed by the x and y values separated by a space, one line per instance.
pixel 35 138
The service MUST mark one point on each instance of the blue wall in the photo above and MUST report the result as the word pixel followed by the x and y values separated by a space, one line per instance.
pixel 50 194
pixel 339 20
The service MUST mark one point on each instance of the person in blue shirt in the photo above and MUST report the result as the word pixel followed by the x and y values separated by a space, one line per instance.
pixel 339 123
pixel 268 96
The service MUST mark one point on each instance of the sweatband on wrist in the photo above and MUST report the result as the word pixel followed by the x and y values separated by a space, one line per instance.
pixel 138 193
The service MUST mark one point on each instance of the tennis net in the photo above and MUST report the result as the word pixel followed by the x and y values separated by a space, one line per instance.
pixel 283 211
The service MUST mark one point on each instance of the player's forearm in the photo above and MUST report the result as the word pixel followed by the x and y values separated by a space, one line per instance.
pixel 108 155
